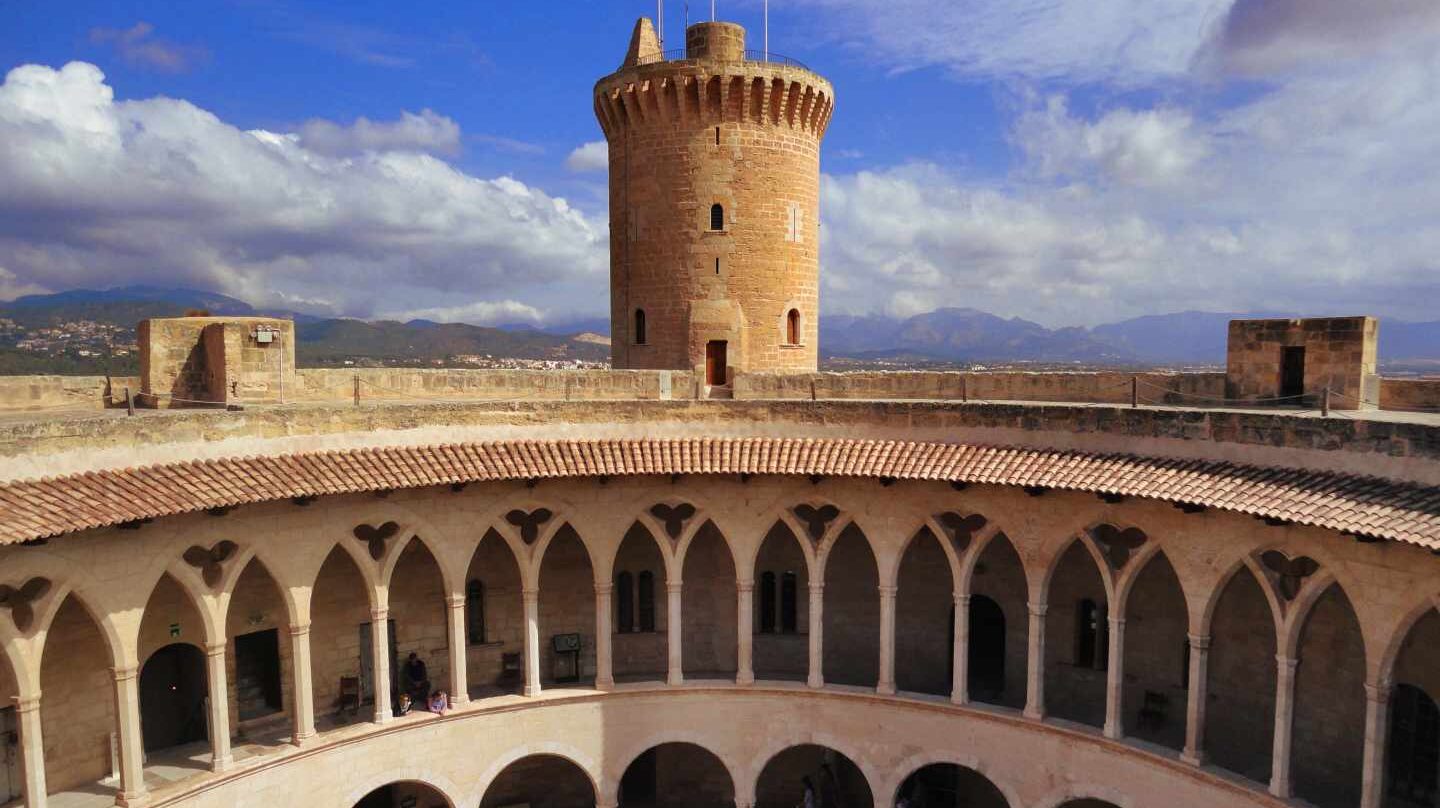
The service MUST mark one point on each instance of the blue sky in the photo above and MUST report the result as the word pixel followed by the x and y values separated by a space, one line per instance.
pixel 1069 162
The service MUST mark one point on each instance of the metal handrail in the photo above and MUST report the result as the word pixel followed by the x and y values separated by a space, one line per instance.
pixel 750 56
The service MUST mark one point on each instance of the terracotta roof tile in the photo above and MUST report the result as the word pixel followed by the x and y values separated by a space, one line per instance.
pixel 48 507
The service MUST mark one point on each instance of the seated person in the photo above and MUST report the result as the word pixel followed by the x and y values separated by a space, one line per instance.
pixel 417 678
pixel 439 702
pixel 402 707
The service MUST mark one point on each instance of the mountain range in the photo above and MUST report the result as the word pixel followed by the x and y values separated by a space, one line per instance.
pixel 943 335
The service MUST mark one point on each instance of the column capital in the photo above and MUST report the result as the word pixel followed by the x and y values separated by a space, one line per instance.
pixel 744 586
pixel 456 601
pixel 530 595
pixel 1038 609
pixel 888 591
pixel 674 587
pixel 380 614
pixel 1116 622
pixel 604 589
pixel 1199 642
pixel 961 598
pixel 1379 693
pixel 817 587
pixel 26 704
pixel 216 649
pixel 1286 664
pixel 121 674
pixel 299 629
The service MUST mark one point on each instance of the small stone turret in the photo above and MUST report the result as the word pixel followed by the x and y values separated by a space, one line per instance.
pixel 714 205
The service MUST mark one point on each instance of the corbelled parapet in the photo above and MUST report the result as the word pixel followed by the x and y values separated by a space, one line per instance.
pixel 714 206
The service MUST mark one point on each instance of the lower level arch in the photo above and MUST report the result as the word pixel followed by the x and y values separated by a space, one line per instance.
pixel 834 778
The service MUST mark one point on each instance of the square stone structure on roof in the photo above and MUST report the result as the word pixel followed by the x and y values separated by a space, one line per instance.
pixel 193 361
pixel 1293 362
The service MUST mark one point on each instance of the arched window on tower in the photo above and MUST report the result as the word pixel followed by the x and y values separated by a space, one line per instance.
pixel 475 612
pixel 640 336
pixel 647 601
pixel 717 216
pixel 792 327
pixel 624 603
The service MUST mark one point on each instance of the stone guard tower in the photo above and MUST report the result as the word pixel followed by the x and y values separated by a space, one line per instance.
pixel 714 205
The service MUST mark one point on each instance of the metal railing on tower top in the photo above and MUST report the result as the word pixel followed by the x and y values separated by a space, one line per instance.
pixel 750 56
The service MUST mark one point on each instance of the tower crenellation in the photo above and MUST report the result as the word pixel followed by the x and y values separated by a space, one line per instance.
pixel 714 205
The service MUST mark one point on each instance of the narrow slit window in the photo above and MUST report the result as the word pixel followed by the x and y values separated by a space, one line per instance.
pixel 625 603
pixel 717 217
pixel 475 612
pixel 717 136
pixel 640 335
pixel 767 603
pixel 788 583
pixel 717 266
pixel 647 601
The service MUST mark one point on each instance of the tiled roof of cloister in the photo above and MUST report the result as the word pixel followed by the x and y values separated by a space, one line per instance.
pixel 1363 506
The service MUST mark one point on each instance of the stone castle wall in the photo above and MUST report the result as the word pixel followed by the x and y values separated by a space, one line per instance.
pixel 1340 355
pixel 709 130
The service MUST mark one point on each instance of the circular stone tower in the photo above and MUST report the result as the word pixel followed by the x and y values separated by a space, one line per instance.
pixel 714 205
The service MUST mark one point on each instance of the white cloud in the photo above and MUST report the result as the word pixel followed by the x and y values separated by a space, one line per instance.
pixel 1118 41
pixel 591 157
pixel 425 132
pixel 95 193
pixel 501 312
pixel 1137 147
pixel 139 46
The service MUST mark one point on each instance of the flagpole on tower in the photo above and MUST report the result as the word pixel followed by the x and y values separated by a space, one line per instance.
pixel 767 30
pixel 712 10
pixel 660 23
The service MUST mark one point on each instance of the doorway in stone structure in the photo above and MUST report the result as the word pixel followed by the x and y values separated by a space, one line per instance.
pixel 10 766
pixel 715 362
pixel 172 697
pixel 1292 371
pixel 258 691
pixel 987 649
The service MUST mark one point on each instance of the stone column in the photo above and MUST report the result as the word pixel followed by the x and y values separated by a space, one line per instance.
pixel 1280 785
pixel 1035 668
pixel 604 634
pixel 459 645
pixel 673 627
pixel 132 741
pixel 1115 681
pixel 1377 738
pixel 32 750
pixel 886 685
pixel 817 635
pixel 960 661
pixel 303 708
pixel 219 700
pixel 531 598
pixel 1194 753
pixel 745 632
pixel 380 662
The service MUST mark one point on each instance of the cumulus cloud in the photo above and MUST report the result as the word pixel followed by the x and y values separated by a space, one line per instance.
pixel 1265 37
pixel 588 158
pixel 1138 147
pixel 1317 196
pixel 99 192
pixel 425 132
pixel 139 46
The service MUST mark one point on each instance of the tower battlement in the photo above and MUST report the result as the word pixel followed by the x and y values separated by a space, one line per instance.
pixel 714 205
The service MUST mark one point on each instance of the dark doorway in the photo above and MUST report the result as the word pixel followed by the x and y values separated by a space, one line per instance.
pixel 403 795
pixel 1414 746
pixel 833 777
pixel 715 362
pixel 172 697
pixel 1292 372
pixel 637 787
pixel 987 649
pixel 257 674
pixel 677 775
pixel 945 785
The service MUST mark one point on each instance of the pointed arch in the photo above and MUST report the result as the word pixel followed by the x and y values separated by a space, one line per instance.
pixel 1156 652
pixel 852 609
pixel 925 607
pixel 260 662
pixel 1243 642
pixel 77 658
pixel 781 571
pixel 566 578
pixel 708 605
pixel 1077 635
pixel 995 571
pixel 417 593
pixel 1329 726
pixel 494 616
pixel 640 645
pixel 341 601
